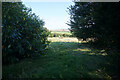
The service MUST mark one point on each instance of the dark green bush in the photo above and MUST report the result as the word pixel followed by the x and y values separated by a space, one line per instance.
pixel 23 34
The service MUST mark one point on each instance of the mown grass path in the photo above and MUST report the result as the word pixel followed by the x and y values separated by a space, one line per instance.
pixel 62 60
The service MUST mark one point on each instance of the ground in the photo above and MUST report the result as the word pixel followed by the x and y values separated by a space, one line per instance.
pixel 65 58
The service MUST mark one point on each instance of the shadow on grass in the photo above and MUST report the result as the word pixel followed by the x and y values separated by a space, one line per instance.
pixel 112 61
pixel 65 60
pixel 97 62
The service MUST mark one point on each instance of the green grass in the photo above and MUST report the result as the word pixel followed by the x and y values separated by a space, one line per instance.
pixel 63 60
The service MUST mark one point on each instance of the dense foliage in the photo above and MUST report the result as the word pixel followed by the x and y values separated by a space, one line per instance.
pixel 96 20
pixel 23 34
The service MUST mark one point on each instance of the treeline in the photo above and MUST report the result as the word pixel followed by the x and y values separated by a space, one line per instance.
pixel 23 34
pixel 60 35
pixel 99 21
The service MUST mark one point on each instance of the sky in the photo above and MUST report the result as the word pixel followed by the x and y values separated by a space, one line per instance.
pixel 54 14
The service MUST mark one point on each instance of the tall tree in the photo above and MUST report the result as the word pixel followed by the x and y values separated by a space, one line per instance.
pixel 81 19
pixel 98 20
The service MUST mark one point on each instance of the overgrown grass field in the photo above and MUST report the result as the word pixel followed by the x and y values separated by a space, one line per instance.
pixel 64 59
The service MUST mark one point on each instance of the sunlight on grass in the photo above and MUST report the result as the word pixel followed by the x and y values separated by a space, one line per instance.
pixel 101 74
pixel 82 41
pixel 104 54
pixel 102 51
pixel 79 49
pixel 60 39
pixel 91 53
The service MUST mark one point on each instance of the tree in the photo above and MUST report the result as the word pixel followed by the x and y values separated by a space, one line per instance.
pixel 81 19
pixel 101 23
pixel 23 34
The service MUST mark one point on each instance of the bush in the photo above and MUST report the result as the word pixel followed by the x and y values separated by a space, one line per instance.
pixel 23 34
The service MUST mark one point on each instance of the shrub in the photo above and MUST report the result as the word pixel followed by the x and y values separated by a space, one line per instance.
pixel 23 34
